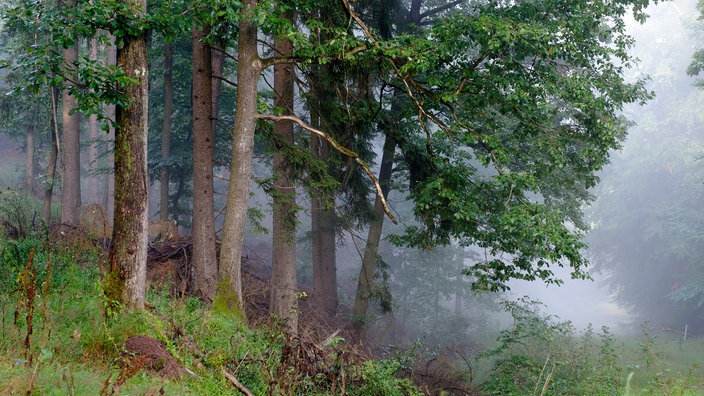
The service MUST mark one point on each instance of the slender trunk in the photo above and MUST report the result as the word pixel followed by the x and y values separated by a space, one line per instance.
pixel 93 137
pixel 323 226
pixel 366 274
pixel 166 133
pixel 229 291
pixel 204 253
pixel 29 160
pixel 71 154
pixel 283 301
pixel 53 158
pixel 328 255
pixel 108 146
pixel 126 281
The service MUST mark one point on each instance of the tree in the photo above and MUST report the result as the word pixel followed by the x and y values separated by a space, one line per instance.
pixel 283 300
pixel 229 289
pixel 204 253
pixel 166 132
pixel 71 146
pixel 127 261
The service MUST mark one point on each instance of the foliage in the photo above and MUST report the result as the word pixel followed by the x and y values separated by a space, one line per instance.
pixel 539 354
pixel 518 112
pixel 19 214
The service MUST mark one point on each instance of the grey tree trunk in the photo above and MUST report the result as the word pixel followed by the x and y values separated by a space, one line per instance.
pixel 125 283
pixel 93 137
pixel 53 158
pixel 228 296
pixel 71 150
pixel 29 160
pixel 283 301
pixel 365 280
pixel 109 182
pixel 166 133
pixel 204 253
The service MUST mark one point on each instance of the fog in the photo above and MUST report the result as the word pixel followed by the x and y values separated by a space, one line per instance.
pixel 664 144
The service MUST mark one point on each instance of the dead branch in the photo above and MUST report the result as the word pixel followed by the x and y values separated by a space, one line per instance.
pixel 343 150
pixel 236 383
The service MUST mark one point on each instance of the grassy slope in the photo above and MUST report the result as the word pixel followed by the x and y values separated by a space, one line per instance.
pixel 74 350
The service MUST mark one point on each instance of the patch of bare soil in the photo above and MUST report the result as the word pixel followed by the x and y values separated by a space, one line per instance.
pixel 153 355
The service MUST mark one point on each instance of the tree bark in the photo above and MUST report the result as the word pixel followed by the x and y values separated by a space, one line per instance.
pixel 369 261
pixel 29 160
pixel 109 182
pixel 204 253
pixel 53 158
pixel 283 301
pixel 71 153
pixel 217 65
pixel 93 136
pixel 126 280
pixel 229 290
pixel 166 133
pixel 323 226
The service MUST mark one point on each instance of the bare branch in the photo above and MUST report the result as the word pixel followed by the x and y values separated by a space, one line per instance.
pixel 343 150
pixel 236 383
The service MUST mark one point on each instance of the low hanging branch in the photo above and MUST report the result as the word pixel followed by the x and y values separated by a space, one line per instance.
pixel 343 150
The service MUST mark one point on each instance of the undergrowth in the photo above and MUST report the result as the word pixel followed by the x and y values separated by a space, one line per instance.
pixel 540 355
pixel 56 340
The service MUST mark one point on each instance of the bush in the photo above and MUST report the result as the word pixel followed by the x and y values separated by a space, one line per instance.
pixel 540 355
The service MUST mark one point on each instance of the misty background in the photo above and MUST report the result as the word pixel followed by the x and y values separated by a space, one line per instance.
pixel 638 244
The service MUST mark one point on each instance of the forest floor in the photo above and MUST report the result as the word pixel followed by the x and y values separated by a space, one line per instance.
pixel 58 339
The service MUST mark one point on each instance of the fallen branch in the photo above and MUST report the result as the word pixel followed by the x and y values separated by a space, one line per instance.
pixel 236 383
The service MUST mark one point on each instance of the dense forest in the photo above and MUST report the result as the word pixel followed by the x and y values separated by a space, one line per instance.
pixel 326 183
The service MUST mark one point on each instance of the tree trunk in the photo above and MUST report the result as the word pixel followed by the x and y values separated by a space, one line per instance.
pixel 93 137
pixel 29 160
pixel 328 256
pixel 217 65
pixel 283 301
pixel 323 231
pixel 126 280
pixel 166 133
pixel 204 253
pixel 109 182
pixel 71 153
pixel 369 261
pixel 53 158
pixel 229 290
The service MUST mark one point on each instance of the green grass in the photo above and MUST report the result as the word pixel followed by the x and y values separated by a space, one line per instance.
pixel 73 349
pixel 541 355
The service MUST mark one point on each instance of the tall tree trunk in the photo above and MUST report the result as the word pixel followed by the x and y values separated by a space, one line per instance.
pixel 366 273
pixel 126 280
pixel 108 147
pixel 323 227
pixel 93 136
pixel 53 157
pixel 166 133
pixel 71 154
pixel 283 301
pixel 217 65
pixel 229 290
pixel 328 254
pixel 204 253
pixel 323 243
pixel 29 160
